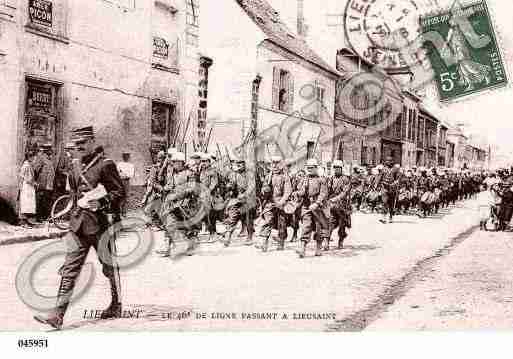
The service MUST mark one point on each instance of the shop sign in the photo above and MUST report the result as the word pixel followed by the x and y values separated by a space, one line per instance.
pixel 40 12
pixel 40 97
pixel 160 48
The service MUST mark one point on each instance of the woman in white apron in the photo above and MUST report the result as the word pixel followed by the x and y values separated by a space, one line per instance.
pixel 27 196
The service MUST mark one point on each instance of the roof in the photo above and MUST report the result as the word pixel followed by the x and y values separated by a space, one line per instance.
pixel 428 112
pixel 456 131
pixel 268 20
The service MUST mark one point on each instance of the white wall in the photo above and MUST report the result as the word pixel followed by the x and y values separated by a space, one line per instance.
pixel 230 38
pixel 304 106
pixel 106 74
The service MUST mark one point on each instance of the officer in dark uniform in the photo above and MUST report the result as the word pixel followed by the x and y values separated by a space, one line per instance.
pixel 276 192
pixel 89 221
pixel 314 192
pixel 423 186
pixel 339 204
pixel 388 180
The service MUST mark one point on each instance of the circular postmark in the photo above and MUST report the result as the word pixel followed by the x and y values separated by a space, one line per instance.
pixel 378 30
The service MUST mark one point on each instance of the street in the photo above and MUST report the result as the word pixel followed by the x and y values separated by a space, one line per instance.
pixel 433 273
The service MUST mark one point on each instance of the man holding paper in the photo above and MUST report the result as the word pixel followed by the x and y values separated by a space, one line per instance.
pixel 101 192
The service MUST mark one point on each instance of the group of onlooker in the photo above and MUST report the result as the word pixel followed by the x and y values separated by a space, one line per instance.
pixel 496 205
pixel 36 186
pixel 41 182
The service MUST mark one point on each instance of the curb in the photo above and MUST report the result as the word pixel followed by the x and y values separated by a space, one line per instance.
pixel 32 238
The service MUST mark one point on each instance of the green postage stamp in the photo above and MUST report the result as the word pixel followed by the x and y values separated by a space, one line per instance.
pixel 462 48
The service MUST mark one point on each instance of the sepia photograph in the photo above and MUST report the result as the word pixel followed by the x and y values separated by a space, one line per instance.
pixel 255 166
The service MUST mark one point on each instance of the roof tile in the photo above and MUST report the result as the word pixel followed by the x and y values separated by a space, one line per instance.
pixel 268 20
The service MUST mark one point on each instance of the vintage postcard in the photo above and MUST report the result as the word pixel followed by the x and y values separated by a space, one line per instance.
pixel 254 166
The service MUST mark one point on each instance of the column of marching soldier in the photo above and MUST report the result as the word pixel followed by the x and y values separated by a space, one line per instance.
pixel 182 196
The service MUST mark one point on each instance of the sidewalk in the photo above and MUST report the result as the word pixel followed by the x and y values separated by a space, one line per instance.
pixel 10 234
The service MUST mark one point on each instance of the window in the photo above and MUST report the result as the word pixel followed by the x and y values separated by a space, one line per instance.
pixel 310 149
pixel 283 94
pixel 319 94
pixel 364 155
pixel 192 13
pixel 340 150
pixel 192 39
pixel 162 124
pixel 283 90
pixel 414 125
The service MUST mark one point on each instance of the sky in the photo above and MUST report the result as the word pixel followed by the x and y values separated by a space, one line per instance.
pixel 488 115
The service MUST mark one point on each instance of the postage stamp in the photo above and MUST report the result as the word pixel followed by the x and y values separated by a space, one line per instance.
pixel 470 60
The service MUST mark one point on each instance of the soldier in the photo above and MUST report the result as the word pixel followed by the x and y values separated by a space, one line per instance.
pixel 423 186
pixel 358 182
pixel 166 177
pixel 389 180
pixel 182 207
pixel 209 177
pixel 314 192
pixel 293 219
pixel 405 192
pixel 89 221
pixel 239 188
pixel 152 200
pixel 276 191
pixel 339 204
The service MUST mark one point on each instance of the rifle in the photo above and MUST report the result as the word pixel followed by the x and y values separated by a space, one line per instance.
pixel 208 139
pixel 186 127
pixel 227 153
pixel 219 153
pixel 267 190
pixel 175 137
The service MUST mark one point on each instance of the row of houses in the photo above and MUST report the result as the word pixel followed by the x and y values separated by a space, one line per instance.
pixel 352 111
pixel 137 71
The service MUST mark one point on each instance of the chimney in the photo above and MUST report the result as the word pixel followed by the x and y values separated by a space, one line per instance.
pixel 301 27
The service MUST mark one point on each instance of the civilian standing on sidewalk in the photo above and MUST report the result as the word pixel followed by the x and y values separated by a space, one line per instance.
pixel 127 172
pixel 45 182
pixel 27 190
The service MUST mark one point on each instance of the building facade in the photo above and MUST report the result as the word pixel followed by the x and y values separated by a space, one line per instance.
pixel 369 105
pixel 128 67
pixel 296 87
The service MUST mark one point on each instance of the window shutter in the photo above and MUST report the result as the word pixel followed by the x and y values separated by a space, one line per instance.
pixel 276 88
pixel 290 102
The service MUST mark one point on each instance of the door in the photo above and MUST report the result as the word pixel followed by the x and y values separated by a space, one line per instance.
pixel 40 115
pixel 162 127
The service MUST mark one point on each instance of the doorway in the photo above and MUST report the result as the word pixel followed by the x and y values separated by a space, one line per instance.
pixel 41 115
pixel 163 127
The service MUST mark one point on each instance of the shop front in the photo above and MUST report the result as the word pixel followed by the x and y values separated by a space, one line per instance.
pixel 41 119
pixel 163 127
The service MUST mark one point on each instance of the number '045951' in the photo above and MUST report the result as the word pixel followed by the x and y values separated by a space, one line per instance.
pixel 33 343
